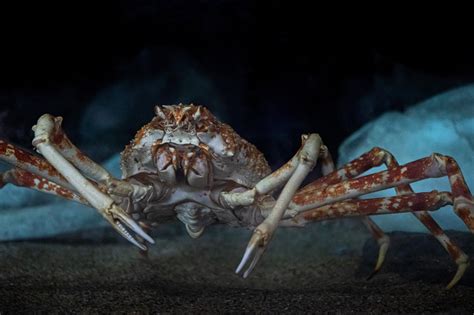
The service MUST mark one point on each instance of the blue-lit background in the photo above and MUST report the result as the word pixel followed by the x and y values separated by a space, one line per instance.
pixel 103 69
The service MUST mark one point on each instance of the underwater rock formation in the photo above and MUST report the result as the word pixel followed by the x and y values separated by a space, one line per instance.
pixel 442 124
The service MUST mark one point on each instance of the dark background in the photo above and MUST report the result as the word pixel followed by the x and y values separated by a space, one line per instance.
pixel 272 70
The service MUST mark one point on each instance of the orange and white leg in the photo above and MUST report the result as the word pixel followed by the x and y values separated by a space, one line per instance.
pixel 433 166
pixel 31 163
pixel 47 141
pixel 397 204
pixel 22 178
pixel 328 167
pixel 32 171
pixel 399 177
pixel 376 157
pixel 458 256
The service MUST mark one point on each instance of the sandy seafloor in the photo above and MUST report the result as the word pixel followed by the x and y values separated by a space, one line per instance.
pixel 320 269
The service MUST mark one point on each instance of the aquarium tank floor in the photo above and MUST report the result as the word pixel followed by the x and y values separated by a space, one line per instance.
pixel 319 269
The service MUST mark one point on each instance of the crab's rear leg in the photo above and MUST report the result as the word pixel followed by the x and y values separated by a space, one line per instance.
pixel 434 166
pixel 376 157
pixel 32 171
pixel 48 142
pixel 31 163
pixel 328 167
pixel 22 178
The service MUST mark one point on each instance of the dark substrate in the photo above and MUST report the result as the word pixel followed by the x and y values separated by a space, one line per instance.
pixel 318 269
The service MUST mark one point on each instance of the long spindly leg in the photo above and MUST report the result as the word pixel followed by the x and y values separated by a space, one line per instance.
pixel 425 201
pixel 31 163
pixel 22 178
pixel 271 182
pixel 376 157
pixel 433 166
pixel 404 203
pixel 85 165
pixel 32 171
pixel 275 180
pixel 373 158
pixel 399 176
pixel 116 216
pixel 459 257
pixel 383 242
pixel 306 160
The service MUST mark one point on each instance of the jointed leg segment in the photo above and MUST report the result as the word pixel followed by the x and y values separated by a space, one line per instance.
pixel 331 176
pixel 298 169
pixel 46 135
pixel 273 181
pixel 31 163
pixel 85 165
pixel 433 166
pixel 19 177
pixel 429 167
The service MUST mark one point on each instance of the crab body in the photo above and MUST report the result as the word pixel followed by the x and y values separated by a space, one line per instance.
pixel 196 157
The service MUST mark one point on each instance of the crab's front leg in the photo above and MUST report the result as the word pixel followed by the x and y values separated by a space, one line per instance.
pixel 53 144
pixel 305 161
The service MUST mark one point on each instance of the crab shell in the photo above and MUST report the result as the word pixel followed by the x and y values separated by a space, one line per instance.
pixel 189 140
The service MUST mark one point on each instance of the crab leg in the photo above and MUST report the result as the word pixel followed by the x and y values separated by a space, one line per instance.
pixel 408 202
pixel 263 233
pixel 376 157
pixel 425 201
pixel 44 130
pixel 89 168
pixel 383 242
pixel 328 167
pixel 273 181
pixel 433 166
pixel 22 178
pixel 31 163
pixel 459 257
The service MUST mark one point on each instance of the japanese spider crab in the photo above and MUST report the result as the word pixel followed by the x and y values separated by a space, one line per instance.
pixel 186 164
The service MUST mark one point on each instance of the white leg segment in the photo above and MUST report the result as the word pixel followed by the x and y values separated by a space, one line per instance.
pixel 306 160
pixel 100 201
pixel 85 165
pixel 273 181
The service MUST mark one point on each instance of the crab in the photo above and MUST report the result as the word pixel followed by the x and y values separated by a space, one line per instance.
pixel 188 165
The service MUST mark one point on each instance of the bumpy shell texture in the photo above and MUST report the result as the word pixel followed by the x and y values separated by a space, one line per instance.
pixel 195 128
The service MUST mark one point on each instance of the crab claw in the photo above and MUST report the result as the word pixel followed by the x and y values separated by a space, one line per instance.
pixel 255 248
pixel 126 226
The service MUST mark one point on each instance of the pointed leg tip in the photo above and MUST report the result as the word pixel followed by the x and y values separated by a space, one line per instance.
pixel 240 267
pixel 457 277
pixel 452 283
pixel 372 274
pixel 141 246
pixel 151 241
